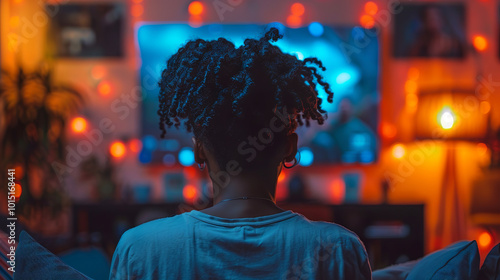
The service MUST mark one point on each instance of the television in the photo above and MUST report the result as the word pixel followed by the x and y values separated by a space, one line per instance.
pixel 350 55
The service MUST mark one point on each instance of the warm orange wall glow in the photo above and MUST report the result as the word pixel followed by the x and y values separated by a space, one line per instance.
pixel 413 73
pixel 98 72
pixel 117 149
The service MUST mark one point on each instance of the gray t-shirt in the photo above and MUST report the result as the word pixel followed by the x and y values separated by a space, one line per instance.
pixel 196 245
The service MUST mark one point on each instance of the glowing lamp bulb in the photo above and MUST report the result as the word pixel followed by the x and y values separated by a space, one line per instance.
pixel 117 149
pixel 447 119
pixel 195 8
pixel 78 125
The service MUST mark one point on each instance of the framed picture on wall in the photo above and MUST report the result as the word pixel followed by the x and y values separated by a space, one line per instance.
pixel 86 30
pixel 430 30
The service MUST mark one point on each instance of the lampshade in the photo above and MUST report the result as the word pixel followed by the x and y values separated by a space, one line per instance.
pixel 451 115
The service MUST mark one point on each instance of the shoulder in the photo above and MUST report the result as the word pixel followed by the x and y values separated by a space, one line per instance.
pixel 150 231
pixel 331 234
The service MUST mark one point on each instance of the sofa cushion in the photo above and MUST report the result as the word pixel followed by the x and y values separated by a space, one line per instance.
pixel 457 261
pixel 491 266
pixel 394 272
pixel 33 261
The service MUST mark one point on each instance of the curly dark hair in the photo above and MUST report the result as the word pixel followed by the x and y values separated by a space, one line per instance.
pixel 225 94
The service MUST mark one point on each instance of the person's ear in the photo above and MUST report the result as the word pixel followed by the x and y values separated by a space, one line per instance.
pixel 199 152
pixel 291 147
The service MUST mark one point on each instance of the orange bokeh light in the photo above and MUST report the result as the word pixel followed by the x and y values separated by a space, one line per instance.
pixel 481 148
pixel 297 9
pixel 135 145
pixel 367 21
pixel 79 125
pixel 337 191
pixel 189 192
pixel 371 8
pixel 411 100
pixel 117 149
pixel 104 88
pixel 18 191
pixel 410 86
pixel 480 43
pixel 19 171
pixel 137 10
pixel 398 151
pixel 293 21
pixel 195 21
pixel 190 172
pixel 484 239
pixel 484 107
pixel 389 131
pixel 196 8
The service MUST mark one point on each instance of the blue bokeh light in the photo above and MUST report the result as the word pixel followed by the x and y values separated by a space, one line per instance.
pixel 169 159
pixel 186 156
pixel 149 143
pixel 306 156
pixel 316 29
pixel 145 156
pixel 342 78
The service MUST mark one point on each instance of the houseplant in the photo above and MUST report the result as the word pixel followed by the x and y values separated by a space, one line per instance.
pixel 33 115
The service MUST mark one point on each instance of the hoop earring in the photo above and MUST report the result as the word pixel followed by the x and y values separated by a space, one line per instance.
pixel 295 162
pixel 202 167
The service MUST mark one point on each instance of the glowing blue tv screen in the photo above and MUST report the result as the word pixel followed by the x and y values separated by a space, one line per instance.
pixel 351 58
